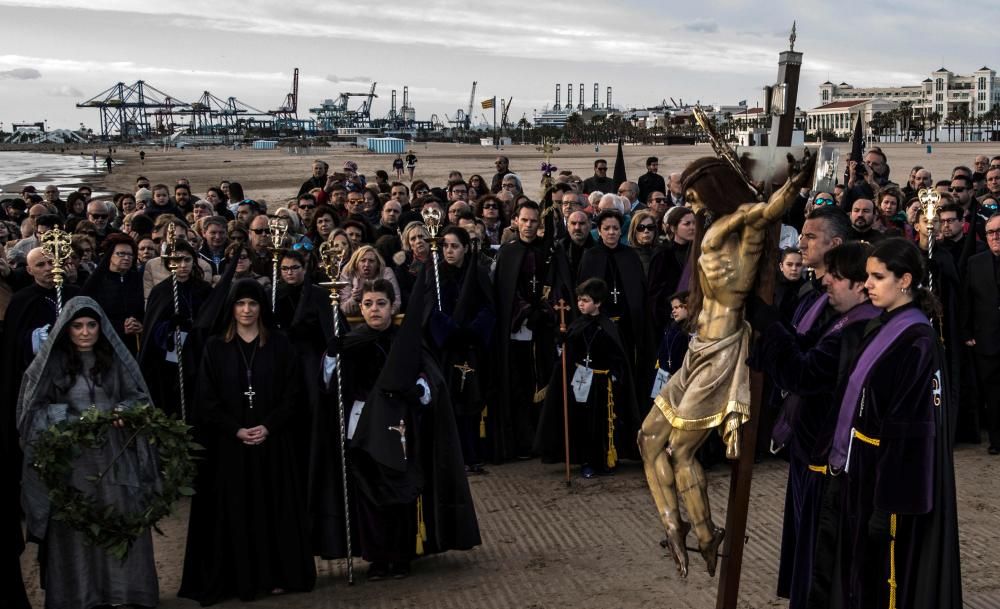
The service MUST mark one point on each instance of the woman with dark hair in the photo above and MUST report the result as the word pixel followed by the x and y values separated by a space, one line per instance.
pixel 158 356
pixel 239 254
pixel 85 366
pixel 643 236
pixel 235 196
pixel 324 220
pixel 490 209
pixel 620 268
pixel 116 285
pixel 418 189
pixel 248 534
pixel 477 187
pixel 668 267
pixel 895 541
pixel 462 330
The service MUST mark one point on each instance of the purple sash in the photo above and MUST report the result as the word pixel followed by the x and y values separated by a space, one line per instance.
pixel 786 422
pixel 843 435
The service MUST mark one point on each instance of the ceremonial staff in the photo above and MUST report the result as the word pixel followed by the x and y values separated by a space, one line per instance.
pixel 57 246
pixel 929 199
pixel 332 258
pixel 562 308
pixel 432 219
pixel 278 229
pixel 173 261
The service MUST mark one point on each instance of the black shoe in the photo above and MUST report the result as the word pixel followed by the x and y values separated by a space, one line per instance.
pixel 400 570
pixel 377 571
pixel 993 450
pixel 475 469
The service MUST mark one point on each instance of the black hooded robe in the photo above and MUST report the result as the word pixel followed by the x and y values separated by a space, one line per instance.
pixel 249 532
pixel 121 297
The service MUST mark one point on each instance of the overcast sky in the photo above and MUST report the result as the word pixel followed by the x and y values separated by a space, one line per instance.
pixel 56 53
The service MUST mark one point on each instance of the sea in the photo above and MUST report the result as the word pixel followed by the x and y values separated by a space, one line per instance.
pixel 39 170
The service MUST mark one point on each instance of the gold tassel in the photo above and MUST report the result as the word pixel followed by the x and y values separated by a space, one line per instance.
pixel 482 422
pixel 892 562
pixel 421 527
pixel 612 451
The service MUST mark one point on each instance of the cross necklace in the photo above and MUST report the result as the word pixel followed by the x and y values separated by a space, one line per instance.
pixel 249 393
pixel 588 343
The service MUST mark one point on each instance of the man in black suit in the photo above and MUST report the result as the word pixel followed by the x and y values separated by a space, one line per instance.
pixel 981 324
pixel 651 181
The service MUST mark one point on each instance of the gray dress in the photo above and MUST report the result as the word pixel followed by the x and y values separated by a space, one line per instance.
pixel 76 575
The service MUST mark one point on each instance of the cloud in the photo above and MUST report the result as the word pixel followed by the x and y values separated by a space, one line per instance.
pixel 65 91
pixel 338 79
pixel 703 26
pixel 21 74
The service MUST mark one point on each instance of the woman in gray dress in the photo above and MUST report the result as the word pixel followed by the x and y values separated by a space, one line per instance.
pixel 84 365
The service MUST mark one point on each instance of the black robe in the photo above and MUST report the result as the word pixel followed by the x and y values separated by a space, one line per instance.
pixel 248 532
pixel 158 338
pixel 621 269
pixel 121 297
pixel 460 334
pixel 665 270
pixel 381 369
pixel 520 274
pixel 596 338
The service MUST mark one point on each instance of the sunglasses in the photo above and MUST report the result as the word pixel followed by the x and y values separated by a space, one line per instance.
pixel 957 189
pixel 645 228
pixel 303 246
pixel 307 206
pixel 659 200
pixel 490 206
pixel 824 201
pixel 258 231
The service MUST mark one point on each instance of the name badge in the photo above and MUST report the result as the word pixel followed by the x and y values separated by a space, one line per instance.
pixel 172 354
pixel 352 422
pixel 662 376
pixel 582 379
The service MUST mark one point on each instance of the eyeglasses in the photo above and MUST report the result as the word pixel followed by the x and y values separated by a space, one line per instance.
pixel 949 220
pixel 824 201
pixel 123 254
pixel 993 234
pixel 659 200
pixel 258 231
pixel 958 189
pixel 99 216
pixel 644 228
pixel 291 269
pixel 243 257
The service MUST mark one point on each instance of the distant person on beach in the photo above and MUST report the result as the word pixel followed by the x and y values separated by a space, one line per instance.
pixel 411 163
pixel 397 166
pixel 318 179
pixel 109 162
pixel 142 157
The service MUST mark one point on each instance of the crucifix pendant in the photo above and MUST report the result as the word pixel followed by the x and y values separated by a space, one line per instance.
pixel 614 294
pixel 250 392
pixel 465 369
pixel 534 284
pixel 586 361
pixel 401 430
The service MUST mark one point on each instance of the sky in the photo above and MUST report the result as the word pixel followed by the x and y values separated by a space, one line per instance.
pixel 56 53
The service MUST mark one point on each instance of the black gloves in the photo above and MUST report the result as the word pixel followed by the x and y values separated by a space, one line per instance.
pixel 760 314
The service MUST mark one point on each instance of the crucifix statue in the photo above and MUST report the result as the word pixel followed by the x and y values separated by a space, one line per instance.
pixel 547 148
pixel 401 430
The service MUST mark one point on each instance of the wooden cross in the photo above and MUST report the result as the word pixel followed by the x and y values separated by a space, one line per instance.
pixel 614 294
pixel 465 369
pixel 562 307
pixel 401 430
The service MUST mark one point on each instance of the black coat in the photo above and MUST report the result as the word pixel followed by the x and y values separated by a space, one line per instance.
pixel 121 296
pixel 980 316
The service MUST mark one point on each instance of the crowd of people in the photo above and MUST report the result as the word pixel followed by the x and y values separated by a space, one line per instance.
pixel 444 358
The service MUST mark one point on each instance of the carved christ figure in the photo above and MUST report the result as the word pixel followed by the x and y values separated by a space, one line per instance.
pixel 712 388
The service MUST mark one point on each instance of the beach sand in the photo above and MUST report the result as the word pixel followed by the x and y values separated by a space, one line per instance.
pixel 275 175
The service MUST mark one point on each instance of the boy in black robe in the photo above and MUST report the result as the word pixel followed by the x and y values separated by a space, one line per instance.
pixel 603 413
pixel 409 494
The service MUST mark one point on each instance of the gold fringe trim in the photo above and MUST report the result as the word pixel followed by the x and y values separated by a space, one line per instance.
pixel 892 562
pixel 482 422
pixel 821 469
pixel 866 439
pixel 732 408
pixel 421 526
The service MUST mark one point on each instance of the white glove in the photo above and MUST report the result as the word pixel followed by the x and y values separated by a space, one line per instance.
pixel 329 366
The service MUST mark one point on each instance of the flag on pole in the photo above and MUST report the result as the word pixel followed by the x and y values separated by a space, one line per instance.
pixel 488 103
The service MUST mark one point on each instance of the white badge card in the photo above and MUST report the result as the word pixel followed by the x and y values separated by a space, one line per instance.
pixel 582 379
pixel 172 354
pixel 352 423
pixel 662 376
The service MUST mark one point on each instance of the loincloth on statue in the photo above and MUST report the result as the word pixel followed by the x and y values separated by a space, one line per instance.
pixel 712 388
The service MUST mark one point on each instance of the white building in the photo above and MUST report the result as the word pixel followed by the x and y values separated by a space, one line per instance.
pixel 944 92
pixel 839 117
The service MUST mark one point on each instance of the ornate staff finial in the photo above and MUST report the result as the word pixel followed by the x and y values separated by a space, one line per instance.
pixel 791 39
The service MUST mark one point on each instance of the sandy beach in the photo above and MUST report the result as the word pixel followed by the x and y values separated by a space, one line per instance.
pixel 274 176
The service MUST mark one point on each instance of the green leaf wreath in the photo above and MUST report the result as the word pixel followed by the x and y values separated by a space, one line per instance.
pixel 105 526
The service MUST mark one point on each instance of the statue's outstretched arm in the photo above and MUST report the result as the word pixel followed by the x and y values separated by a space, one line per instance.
pixel 799 174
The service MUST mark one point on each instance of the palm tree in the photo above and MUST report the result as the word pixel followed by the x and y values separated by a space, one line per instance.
pixel 934 118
